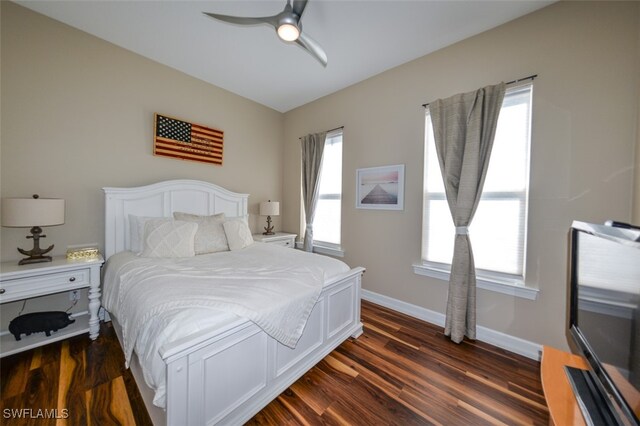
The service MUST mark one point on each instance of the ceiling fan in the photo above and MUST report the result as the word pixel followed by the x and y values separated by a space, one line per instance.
pixel 287 24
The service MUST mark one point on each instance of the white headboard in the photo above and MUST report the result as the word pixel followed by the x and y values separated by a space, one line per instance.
pixel 161 200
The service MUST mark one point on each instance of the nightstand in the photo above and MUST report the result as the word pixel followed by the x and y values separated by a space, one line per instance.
pixel 279 238
pixel 40 279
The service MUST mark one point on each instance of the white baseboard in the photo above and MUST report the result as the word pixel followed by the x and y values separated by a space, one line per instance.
pixel 505 341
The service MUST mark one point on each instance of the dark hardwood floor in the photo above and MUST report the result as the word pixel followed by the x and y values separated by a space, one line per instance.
pixel 401 371
pixel 85 378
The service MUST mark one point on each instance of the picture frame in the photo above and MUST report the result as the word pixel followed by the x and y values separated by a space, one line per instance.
pixel 380 188
pixel 182 140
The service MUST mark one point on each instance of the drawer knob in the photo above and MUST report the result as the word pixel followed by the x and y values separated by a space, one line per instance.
pixel 72 279
pixel 2 290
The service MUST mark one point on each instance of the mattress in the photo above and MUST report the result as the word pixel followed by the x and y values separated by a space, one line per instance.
pixel 128 276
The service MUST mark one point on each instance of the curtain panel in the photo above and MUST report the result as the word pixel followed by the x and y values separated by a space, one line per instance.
pixel 312 149
pixel 464 128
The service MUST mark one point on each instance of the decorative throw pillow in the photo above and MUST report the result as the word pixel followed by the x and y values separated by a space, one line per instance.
pixel 169 238
pixel 136 231
pixel 210 237
pixel 238 233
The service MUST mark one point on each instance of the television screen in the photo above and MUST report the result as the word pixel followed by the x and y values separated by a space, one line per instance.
pixel 605 311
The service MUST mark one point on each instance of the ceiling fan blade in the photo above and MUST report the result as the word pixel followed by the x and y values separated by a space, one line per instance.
pixel 313 48
pixel 242 20
pixel 298 6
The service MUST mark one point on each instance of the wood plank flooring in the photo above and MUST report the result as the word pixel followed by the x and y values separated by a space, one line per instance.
pixel 76 380
pixel 401 371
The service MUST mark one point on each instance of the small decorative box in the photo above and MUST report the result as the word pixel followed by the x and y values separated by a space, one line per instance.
pixel 82 253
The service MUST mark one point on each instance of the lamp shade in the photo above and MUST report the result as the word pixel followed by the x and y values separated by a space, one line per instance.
pixel 28 212
pixel 269 208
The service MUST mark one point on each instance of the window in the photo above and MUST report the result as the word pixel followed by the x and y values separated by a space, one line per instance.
pixel 498 229
pixel 326 223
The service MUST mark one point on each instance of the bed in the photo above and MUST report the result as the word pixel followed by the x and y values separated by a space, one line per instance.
pixel 227 368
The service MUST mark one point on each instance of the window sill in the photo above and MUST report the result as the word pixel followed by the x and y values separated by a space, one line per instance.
pixel 487 283
pixel 329 251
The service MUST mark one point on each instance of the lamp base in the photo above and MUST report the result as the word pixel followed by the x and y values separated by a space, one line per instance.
pixel 35 259
pixel 36 254
pixel 268 230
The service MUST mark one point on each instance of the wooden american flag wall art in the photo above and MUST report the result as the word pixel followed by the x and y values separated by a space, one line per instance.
pixel 186 141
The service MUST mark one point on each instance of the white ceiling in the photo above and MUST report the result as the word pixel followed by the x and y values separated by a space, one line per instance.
pixel 361 38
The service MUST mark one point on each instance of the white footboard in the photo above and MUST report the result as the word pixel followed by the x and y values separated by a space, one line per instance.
pixel 227 377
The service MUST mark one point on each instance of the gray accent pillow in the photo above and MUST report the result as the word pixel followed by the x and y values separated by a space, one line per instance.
pixel 210 237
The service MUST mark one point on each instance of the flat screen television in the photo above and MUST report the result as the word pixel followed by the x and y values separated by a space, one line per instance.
pixel 604 321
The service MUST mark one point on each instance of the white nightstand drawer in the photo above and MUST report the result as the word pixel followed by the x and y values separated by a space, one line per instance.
pixel 279 238
pixel 22 288
pixel 286 243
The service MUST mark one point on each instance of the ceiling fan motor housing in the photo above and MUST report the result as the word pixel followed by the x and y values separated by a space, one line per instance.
pixel 289 27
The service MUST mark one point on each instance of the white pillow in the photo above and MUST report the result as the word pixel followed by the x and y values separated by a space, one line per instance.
pixel 169 238
pixel 136 232
pixel 210 237
pixel 238 233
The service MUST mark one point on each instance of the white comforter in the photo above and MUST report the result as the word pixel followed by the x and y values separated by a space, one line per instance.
pixel 157 301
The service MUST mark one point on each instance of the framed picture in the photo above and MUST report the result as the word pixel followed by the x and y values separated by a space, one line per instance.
pixel 380 188
pixel 187 141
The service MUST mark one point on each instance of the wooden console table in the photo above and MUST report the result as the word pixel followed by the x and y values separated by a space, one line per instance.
pixel 563 407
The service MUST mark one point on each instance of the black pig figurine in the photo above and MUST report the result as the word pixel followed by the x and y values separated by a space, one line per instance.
pixel 38 322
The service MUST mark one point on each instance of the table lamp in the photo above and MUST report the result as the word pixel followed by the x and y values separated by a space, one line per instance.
pixel 268 209
pixel 33 213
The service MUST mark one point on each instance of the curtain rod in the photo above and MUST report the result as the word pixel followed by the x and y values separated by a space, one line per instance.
pixel 331 130
pixel 531 77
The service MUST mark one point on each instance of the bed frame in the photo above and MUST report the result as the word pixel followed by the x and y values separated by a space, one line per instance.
pixel 227 374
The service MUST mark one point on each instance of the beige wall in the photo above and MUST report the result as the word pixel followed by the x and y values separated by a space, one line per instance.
pixel 636 206
pixel 77 115
pixel 583 137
